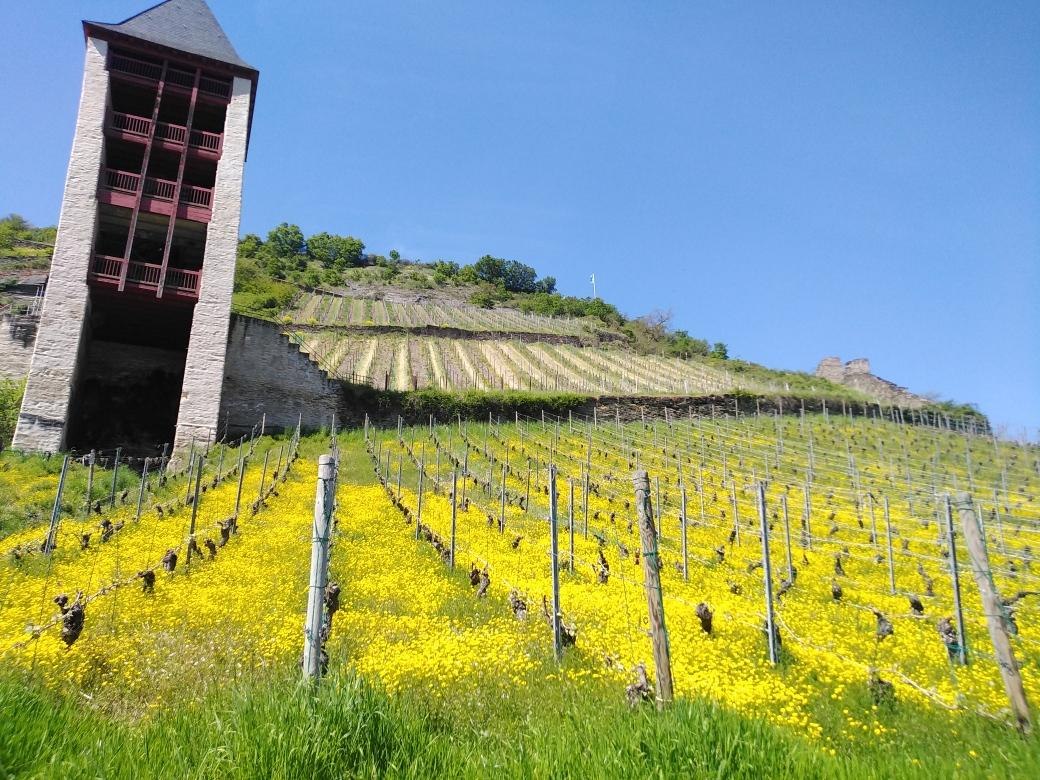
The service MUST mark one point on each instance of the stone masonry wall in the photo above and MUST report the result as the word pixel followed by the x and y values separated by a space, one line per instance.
pixel 42 422
pixel 199 413
pixel 266 373
pixel 17 338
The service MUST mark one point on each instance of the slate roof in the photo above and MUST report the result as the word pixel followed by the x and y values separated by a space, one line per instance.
pixel 184 25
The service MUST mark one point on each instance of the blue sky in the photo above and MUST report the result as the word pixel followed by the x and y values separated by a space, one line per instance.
pixel 853 179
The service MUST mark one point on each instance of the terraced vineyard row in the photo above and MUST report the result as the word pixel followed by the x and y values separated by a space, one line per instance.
pixel 869 611
pixel 400 362
pixel 320 308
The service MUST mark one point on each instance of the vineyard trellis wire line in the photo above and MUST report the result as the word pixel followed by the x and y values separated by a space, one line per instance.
pixel 527 436
pixel 186 542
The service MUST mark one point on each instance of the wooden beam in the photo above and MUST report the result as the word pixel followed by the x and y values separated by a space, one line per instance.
pixel 140 184
pixel 177 186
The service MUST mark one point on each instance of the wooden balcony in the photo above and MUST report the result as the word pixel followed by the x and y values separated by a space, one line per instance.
pixel 180 283
pixel 120 188
pixel 150 72
pixel 138 128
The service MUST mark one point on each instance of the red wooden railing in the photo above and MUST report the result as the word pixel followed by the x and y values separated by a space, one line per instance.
pixel 134 66
pixel 211 142
pixel 183 280
pixel 146 275
pixel 121 180
pixel 175 76
pixel 161 189
pixel 129 123
pixel 180 78
pixel 196 196
pixel 107 267
pixel 167 132
pixel 217 87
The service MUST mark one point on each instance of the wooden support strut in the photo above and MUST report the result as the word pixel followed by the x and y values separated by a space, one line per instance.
pixel 177 185
pixel 141 182
pixel 652 584
pixel 994 610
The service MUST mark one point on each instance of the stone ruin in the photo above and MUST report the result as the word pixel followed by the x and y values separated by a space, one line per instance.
pixel 857 375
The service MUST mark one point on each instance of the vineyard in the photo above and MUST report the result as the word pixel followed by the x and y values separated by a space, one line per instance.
pixel 156 592
pixel 409 362
pixel 335 309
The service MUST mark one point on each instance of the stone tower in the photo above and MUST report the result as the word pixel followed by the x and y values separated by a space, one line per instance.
pixel 133 333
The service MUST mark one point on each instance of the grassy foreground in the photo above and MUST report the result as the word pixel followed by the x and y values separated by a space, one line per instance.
pixel 280 728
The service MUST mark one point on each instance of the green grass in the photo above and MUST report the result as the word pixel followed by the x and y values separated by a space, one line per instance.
pixel 277 727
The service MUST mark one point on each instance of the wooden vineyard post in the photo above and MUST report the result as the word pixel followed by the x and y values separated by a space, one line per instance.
pixel 767 575
pixel 736 515
pixel 554 555
pixel 891 559
pixel 52 530
pixel 787 536
pixel 700 490
pixel 418 504
pixel 806 521
pixel 263 478
pixel 454 515
pixel 682 528
pixel 570 522
pixel 323 503
pixel 140 493
pixel 194 513
pixel 962 644
pixel 115 478
pixel 400 469
pixel 652 583
pixel 502 503
pixel 873 522
pixel 241 476
pixel 585 501
pixel 220 463
pixel 994 609
pixel 90 483
pixel 657 498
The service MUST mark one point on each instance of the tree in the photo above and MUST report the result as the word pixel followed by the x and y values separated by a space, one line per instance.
pixel 518 277
pixel 657 322
pixel 484 298
pixel 489 269
pixel 720 351
pixel 250 245
pixel 286 241
pixel 546 284
pixel 7 236
pixel 332 251
pixel 17 223
pixel 444 271
pixel 395 255
pixel 681 343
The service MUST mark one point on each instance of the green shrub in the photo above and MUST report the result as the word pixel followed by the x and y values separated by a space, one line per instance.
pixel 10 402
